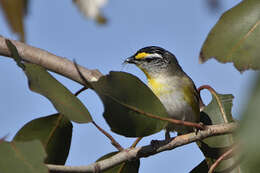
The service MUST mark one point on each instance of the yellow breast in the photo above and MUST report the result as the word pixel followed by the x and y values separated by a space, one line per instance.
pixel 156 84
pixel 158 87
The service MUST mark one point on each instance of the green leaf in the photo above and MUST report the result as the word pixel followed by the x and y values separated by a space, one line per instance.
pixel 126 167
pixel 40 81
pixel 214 147
pixel 22 157
pixel 118 91
pixel 54 132
pixel 248 133
pixel 14 11
pixel 236 37
pixel 64 101
pixel 14 54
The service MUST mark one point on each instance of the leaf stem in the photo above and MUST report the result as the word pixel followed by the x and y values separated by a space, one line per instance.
pixel 222 157
pixel 113 141
pixel 121 168
pixel 136 142
pixel 214 93
pixel 171 120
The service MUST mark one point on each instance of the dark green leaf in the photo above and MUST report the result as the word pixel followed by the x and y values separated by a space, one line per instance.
pixel 118 91
pixel 15 11
pixel 14 54
pixel 22 157
pixel 126 167
pixel 42 82
pixel 236 37
pixel 54 132
pixel 249 131
pixel 214 147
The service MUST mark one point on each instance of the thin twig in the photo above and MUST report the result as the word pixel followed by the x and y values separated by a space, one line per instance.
pixel 214 93
pixel 221 158
pixel 201 103
pixel 136 142
pixel 121 167
pixel 171 120
pixel 83 78
pixel 81 90
pixel 113 141
pixel 199 91
pixel 146 151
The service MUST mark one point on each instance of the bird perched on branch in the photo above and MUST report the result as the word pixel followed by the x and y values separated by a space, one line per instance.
pixel 170 84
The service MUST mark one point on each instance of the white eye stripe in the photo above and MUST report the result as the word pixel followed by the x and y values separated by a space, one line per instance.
pixel 154 55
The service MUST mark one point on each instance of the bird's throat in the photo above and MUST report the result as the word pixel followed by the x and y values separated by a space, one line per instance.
pixel 155 86
pixel 154 83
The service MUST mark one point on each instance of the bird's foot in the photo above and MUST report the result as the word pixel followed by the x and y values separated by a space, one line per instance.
pixel 196 130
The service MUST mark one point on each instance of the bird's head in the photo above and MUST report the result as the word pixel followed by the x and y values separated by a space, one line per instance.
pixel 154 60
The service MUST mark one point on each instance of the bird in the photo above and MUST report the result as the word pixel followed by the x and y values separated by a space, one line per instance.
pixel 174 88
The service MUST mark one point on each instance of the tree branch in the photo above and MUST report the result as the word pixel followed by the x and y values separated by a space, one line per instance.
pixel 146 151
pixel 49 61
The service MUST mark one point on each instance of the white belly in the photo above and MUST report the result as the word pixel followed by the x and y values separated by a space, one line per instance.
pixel 178 108
pixel 173 100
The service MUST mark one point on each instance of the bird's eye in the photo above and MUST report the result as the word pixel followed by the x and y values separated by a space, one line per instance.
pixel 148 59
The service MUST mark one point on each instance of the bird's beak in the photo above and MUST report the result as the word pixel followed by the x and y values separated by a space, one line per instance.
pixel 130 60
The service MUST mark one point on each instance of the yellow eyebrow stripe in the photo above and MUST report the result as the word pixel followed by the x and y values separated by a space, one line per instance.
pixel 141 55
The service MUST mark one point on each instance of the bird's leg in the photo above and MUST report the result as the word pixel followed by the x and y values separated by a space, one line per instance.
pixel 167 135
pixel 155 143
pixel 196 130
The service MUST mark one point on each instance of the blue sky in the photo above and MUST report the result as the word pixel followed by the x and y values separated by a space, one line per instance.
pixel 179 26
